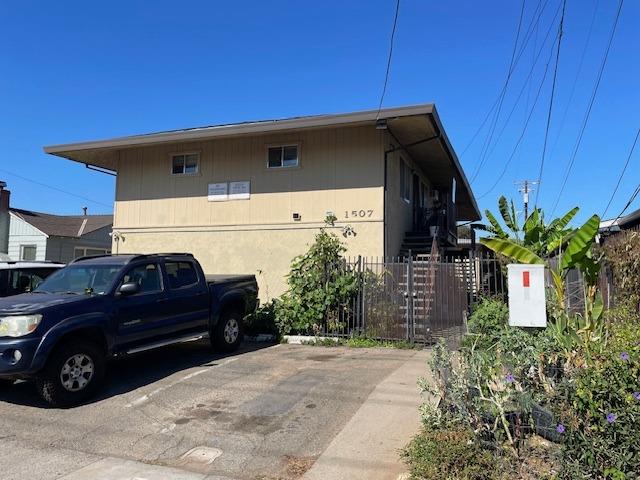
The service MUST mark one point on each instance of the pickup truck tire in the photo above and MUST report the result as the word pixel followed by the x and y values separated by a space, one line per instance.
pixel 227 333
pixel 72 374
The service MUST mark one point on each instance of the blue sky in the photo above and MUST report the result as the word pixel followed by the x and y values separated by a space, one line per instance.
pixel 90 70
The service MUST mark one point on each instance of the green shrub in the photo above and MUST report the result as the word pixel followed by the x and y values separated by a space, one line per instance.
pixel 321 287
pixel 487 322
pixel 263 320
pixel 451 453
pixel 602 414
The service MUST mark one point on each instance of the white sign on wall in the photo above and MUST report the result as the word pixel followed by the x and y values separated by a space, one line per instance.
pixel 239 190
pixel 527 305
pixel 218 192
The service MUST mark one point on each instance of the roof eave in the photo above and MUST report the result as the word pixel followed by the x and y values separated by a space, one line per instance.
pixel 369 116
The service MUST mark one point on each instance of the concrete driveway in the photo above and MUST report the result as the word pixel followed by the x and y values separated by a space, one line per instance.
pixel 276 412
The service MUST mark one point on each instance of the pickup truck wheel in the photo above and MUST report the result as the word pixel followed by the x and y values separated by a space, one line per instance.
pixel 72 374
pixel 227 334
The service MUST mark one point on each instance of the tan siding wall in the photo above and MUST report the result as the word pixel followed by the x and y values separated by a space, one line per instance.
pixel 341 170
pixel 400 213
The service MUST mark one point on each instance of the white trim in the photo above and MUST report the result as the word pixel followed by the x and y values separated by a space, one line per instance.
pixel 29 245
pixel 282 146
pixel 184 165
pixel 84 249
pixel 368 116
pixel 23 220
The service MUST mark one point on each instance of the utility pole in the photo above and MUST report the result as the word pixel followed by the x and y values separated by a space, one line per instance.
pixel 525 187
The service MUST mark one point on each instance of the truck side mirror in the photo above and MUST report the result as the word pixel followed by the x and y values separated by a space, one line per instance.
pixel 129 288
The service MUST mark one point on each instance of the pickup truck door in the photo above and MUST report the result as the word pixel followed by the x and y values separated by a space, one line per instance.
pixel 187 302
pixel 139 316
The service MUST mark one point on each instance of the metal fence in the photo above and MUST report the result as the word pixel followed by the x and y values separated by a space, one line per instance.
pixel 413 299
pixel 427 298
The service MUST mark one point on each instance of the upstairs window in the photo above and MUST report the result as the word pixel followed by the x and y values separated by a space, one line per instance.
pixel 185 163
pixel 282 156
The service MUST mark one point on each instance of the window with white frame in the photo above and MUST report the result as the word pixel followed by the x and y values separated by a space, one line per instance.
pixel 88 251
pixel 282 156
pixel 185 163
pixel 28 252
pixel 405 181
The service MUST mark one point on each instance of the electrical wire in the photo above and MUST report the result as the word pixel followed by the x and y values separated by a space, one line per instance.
pixel 502 91
pixel 524 128
pixel 553 91
pixel 590 106
pixel 575 80
pixel 524 86
pixel 54 188
pixel 386 76
pixel 487 143
pixel 624 169
pixel 631 199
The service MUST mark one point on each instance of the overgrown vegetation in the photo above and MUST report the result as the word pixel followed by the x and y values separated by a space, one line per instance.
pixel 622 252
pixel 561 402
pixel 361 342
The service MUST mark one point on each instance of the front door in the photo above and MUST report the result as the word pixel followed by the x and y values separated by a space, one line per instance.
pixel 139 316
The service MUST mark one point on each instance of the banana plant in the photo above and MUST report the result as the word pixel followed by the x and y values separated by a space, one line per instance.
pixel 534 234
pixel 539 243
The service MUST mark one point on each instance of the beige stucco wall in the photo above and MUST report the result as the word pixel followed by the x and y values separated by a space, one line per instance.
pixel 341 170
pixel 265 252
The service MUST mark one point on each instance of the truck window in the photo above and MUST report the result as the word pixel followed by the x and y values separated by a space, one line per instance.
pixel 181 274
pixel 147 276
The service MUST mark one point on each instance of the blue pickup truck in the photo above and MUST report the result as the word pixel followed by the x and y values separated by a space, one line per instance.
pixel 63 332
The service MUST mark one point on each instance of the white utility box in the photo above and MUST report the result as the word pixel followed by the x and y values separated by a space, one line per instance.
pixel 527 305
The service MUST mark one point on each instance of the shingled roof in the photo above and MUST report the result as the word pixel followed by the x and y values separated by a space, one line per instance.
pixel 64 225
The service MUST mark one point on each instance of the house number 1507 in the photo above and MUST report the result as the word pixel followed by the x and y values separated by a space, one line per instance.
pixel 358 213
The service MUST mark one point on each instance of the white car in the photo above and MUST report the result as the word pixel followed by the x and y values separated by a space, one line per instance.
pixel 21 277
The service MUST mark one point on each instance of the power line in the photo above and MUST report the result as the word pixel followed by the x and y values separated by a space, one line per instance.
pixel 624 169
pixel 631 199
pixel 54 188
pixel 590 106
pixel 497 100
pixel 485 152
pixel 524 128
pixel 575 80
pixel 524 86
pixel 553 91
pixel 485 147
pixel 386 76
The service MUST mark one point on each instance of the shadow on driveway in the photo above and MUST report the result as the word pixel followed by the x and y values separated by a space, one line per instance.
pixel 136 371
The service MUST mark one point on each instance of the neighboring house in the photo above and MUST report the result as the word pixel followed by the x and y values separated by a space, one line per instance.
pixel 35 236
pixel 248 197
pixel 630 221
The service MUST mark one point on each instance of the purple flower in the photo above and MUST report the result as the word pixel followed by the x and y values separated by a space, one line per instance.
pixel 560 428
pixel 636 395
pixel 611 417
pixel 624 356
pixel 509 378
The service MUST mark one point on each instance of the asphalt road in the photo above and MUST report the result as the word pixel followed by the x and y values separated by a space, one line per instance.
pixel 263 413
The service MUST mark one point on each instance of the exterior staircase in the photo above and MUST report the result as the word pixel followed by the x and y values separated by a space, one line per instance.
pixel 416 243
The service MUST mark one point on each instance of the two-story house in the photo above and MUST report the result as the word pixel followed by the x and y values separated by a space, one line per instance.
pixel 249 197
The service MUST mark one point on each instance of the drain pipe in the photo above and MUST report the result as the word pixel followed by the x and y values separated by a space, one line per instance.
pixel 399 146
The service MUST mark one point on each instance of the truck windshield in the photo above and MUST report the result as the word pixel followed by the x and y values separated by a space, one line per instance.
pixel 80 279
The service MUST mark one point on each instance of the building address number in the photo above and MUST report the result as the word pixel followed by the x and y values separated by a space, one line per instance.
pixel 358 213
